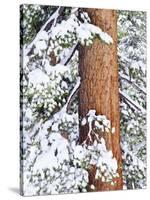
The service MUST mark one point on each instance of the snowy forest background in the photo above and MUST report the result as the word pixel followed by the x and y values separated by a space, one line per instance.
pixel 52 160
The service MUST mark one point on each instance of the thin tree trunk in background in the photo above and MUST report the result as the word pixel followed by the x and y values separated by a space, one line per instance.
pixel 99 89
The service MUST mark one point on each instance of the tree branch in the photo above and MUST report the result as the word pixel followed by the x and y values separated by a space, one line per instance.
pixel 132 103
pixel 66 60
pixel 124 77
pixel 59 114
pixel 49 23
pixel 74 91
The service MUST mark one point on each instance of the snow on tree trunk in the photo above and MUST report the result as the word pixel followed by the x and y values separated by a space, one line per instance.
pixel 99 88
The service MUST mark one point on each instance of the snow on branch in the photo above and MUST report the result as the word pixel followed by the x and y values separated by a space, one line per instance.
pixel 87 32
pixel 52 20
pixel 139 146
pixel 64 109
pixel 96 122
pixel 124 77
pixel 132 103
pixel 75 89
pixel 66 60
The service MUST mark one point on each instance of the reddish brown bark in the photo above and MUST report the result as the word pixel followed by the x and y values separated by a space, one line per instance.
pixel 99 89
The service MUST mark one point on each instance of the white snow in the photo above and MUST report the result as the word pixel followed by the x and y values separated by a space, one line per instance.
pixel 51 159
pixel 40 45
pixel 85 31
pixel 79 152
pixel 113 130
pixel 83 121
pixel 37 77
pixel 92 187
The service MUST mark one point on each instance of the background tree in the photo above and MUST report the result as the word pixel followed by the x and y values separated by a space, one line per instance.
pixel 132 75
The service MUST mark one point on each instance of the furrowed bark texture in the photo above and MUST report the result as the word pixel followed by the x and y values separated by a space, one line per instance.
pixel 99 88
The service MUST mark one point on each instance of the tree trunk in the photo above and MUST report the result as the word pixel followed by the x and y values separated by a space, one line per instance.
pixel 99 88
